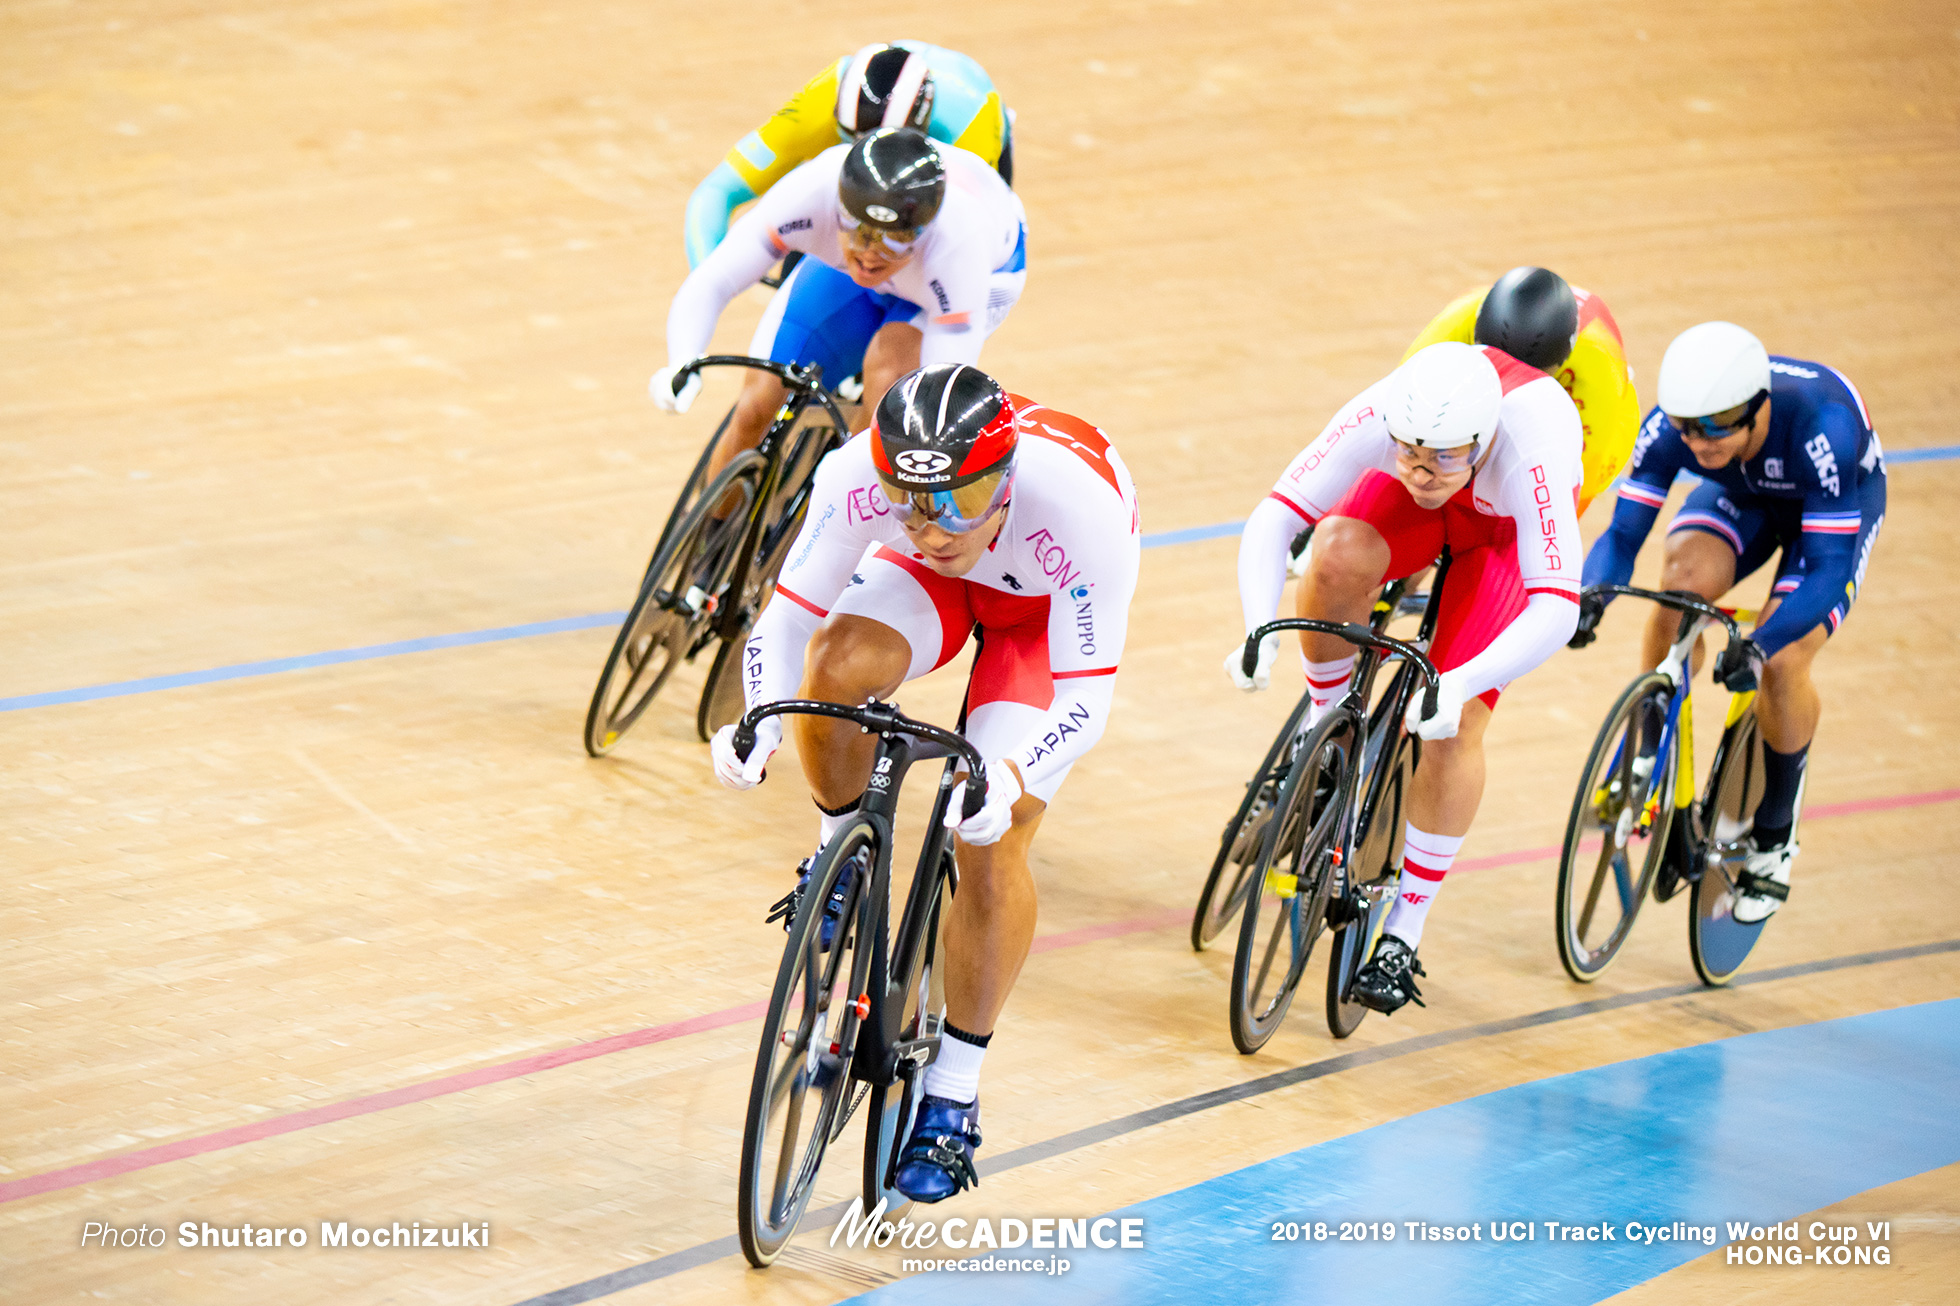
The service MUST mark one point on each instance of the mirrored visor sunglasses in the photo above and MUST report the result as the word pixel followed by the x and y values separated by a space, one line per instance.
pixel 1722 425
pixel 957 510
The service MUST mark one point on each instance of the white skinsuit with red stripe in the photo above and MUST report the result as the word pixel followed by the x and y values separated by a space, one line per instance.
pixel 1069 541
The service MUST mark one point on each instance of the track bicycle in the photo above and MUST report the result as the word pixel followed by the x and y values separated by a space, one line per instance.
pixel 855 1019
pixel 717 558
pixel 1329 854
pixel 1637 827
pixel 1226 883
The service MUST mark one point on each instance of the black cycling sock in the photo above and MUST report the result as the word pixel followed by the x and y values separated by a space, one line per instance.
pixel 1653 716
pixel 845 810
pixel 954 1031
pixel 1782 774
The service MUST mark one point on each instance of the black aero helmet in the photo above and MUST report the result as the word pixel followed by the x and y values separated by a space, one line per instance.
pixel 943 441
pixel 893 178
pixel 1532 315
pixel 884 86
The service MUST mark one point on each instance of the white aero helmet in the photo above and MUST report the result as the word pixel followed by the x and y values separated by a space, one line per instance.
pixel 884 86
pixel 1712 368
pixel 1447 395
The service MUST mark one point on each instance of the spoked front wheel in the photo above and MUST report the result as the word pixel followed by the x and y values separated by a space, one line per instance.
pixel 1286 902
pixel 1616 835
pixel 680 593
pixel 1231 871
pixel 1717 942
pixel 802 1068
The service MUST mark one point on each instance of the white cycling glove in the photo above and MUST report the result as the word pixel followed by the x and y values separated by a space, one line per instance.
pixel 1449 710
pixel 1262 675
pixel 996 814
pixel 661 389
pixel 732 770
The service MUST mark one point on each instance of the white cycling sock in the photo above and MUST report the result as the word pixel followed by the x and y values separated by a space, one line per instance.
pixel 1426 860
pixel 955 1073
pixel 1327 682
pixel 828 821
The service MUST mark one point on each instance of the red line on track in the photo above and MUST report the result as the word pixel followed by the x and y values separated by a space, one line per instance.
pixel 1881 804
pixel 109 1167
pixel 143 1159
pixel 1112 930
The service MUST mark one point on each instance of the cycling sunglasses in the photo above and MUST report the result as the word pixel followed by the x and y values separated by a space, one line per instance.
pixel 1722 425
pixel 1448 461
pixel 958 510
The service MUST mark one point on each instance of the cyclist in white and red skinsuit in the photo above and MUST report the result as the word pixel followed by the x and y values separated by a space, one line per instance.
pixel 962 507
pixel 1462 446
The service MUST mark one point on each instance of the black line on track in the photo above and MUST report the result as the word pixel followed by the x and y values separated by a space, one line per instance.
pixel 675 1262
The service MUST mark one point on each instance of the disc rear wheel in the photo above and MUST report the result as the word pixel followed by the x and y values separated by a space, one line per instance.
pixel 1717 942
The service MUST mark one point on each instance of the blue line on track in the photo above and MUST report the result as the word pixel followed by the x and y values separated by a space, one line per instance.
pixel 1933 453
pixel 242 670
pixel 1192 534
pixel 1757 1129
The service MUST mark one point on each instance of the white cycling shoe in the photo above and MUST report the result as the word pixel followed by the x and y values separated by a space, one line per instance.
pixel 1764 884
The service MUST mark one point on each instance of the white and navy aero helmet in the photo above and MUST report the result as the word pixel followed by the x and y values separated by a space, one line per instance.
pixel 884 86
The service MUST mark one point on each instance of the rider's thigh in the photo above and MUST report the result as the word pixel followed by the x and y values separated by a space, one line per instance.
pixel 1698 562
pixel 1377 524
pixel 853 658
pixel 1791 664
pixel 1349 555
pixel 1007 854
pixel 1718 538
pixel 929 612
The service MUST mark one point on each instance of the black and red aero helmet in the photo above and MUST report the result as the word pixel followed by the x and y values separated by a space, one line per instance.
pixel 943 441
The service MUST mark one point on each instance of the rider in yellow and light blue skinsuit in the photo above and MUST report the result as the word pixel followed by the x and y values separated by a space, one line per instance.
pixel 966 111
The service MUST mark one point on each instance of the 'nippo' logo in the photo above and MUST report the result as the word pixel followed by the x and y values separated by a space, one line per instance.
pixel 879 213
pixel 922 462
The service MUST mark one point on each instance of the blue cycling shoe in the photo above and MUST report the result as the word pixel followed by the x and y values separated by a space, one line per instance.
pixel 938 1160
pixel 784 908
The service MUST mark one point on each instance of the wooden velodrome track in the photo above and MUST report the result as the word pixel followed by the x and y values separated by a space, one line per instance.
pixel 326 325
